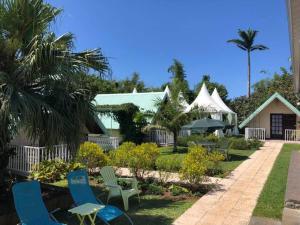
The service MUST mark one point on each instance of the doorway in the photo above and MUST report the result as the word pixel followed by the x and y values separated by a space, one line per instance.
pixel 279 123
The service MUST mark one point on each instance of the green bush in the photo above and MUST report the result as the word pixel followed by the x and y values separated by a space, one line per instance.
pixel 50 171
pixel 119 157
pixel 178 190
pixel 242 144
pixel 155 189
pixel 215 158
pixel 195 164
pixel 91 155
pixel 169 164
pixel 142 157
pixel 239 143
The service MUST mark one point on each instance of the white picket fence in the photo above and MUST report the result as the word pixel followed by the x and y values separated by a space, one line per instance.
pixel 161 137
pixel 26 157
pixel 107 143
pixel 291 135
pixel 255 133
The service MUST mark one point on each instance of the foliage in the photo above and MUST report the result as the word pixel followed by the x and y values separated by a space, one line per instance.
pixel 178 190
pixel 187 140
pixel 281 82
pixel 179 81
pixel 155 189
pixel 211 86
pixel 246 43
pixel 91 155
pixel 53 170
pixel 169 164
pixel 195 165
pixel 242 144
pixel 129 117
pixel 119 157
pixel 142 158
pixel 40 88
pixel 215 159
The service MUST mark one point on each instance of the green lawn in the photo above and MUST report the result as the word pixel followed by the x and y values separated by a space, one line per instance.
pixel 152 210
pixel 236 158
pixel 271 201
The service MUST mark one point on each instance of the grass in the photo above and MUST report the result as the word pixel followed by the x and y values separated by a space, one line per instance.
pixel 236 158
pixel 152 210
pixel 271 200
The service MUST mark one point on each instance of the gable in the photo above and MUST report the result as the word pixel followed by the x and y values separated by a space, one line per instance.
pixel 267 103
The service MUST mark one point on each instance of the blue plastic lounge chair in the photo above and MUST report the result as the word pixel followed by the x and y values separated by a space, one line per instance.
pixel 30 206
pixel 82 193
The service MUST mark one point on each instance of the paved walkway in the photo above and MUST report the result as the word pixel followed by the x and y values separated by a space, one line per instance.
pixel 235 199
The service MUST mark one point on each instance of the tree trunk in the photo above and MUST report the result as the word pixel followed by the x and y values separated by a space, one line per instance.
pixel 249 74
pixel 175 141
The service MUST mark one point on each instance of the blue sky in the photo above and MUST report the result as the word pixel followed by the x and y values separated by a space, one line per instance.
pixel 146 35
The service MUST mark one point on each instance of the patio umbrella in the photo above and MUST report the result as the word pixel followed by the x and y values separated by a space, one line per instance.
pixel 204 125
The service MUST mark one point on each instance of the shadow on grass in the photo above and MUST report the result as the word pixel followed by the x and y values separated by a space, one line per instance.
pixel 234 157
pixel 151 211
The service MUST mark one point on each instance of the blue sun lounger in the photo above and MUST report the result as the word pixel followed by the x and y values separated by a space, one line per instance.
pixel 82 193
pixel 30 206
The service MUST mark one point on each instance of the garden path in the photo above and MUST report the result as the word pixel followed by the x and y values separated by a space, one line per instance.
pixel 168 177
pixel 234 200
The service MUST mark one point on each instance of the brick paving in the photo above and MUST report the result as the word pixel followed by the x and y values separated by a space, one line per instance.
pixel 232 203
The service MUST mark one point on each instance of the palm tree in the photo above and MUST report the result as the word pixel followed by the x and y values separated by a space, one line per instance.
pixel 246 43
pixel 40 77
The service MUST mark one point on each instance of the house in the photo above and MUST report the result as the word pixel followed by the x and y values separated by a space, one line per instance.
pixel 145 101
pixel 275 116
pixel 293 7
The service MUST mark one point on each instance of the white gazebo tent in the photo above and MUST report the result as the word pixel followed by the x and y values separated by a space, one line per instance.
pixel 134 91
pixel 182 101
pixel 230 114
pixel 206 102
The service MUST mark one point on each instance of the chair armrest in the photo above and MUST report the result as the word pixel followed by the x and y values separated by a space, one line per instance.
pixel 113 186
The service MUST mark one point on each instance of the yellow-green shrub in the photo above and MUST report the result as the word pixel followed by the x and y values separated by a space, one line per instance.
pixel 195 164
pixel 91 155
pixel 143 157
pixel 119 157
pixel 215 158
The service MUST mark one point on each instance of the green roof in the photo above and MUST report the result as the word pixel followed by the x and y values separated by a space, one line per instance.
pixel 145 101
pixel 276 95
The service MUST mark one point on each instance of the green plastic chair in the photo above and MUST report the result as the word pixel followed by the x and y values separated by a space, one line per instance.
pixel 115 190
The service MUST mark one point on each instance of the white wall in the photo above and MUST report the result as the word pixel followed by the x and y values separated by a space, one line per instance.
pixel 262 120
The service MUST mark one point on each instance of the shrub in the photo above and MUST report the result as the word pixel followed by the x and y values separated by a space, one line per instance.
pixel 239 143
pixel 255 144
pixel 91 155
pixel 142 157
pixel 215 158
pixel 178 190
pixel 195 165
pixel 53 170
pixel 119 157
pixel 155 189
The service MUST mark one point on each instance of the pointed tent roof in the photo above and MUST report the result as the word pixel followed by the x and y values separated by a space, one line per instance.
pixel 204 100
pixel 216 97
pixel 182 100
pixel 134 91
pixel 167 90
pixel 276 95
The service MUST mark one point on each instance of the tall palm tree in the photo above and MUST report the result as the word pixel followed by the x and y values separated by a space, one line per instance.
pixel 40 77
pixel 246 43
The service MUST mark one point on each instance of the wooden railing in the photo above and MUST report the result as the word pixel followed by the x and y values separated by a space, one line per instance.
pixel 255 133
pixel 291 135
pixel 161 137
pixel 26 157
pixel 107 143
